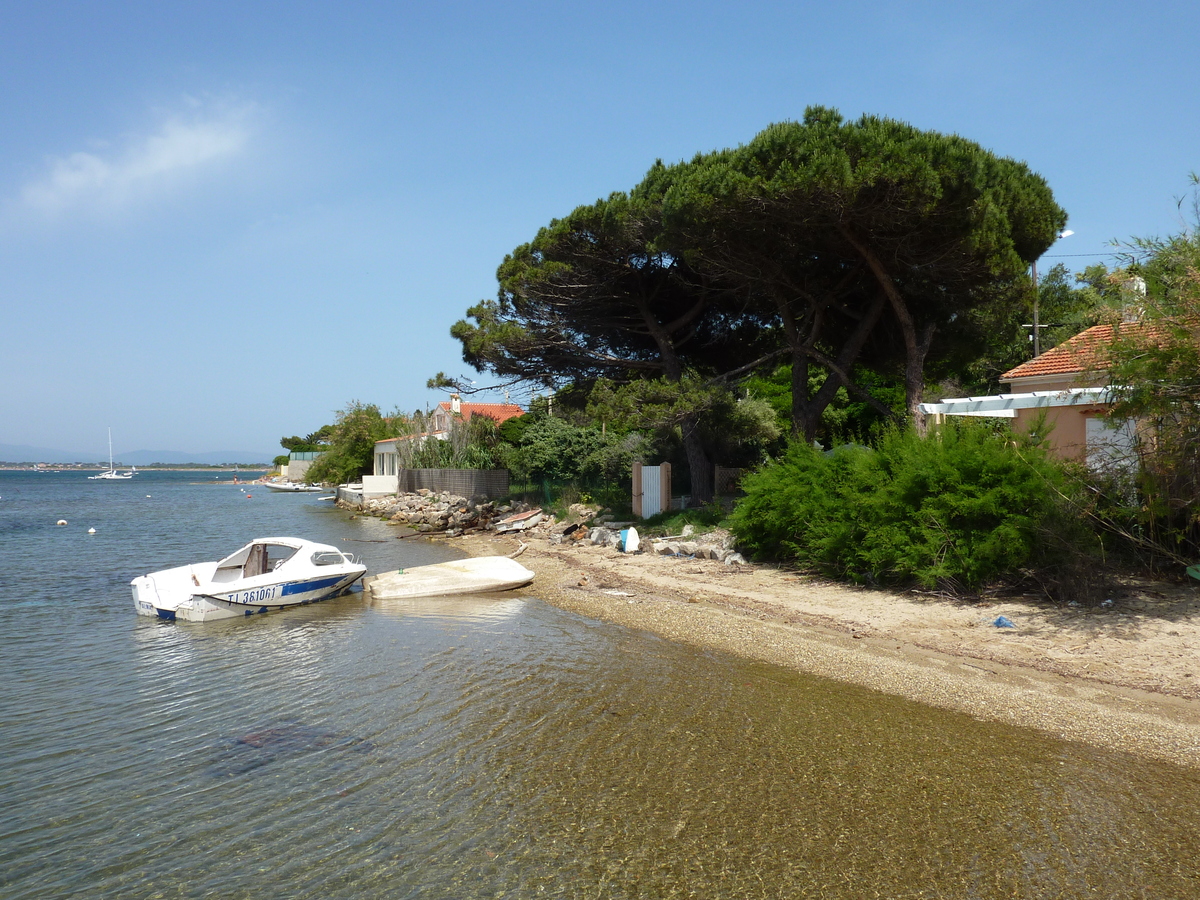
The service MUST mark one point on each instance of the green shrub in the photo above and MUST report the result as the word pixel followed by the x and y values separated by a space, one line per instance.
pixel 957 509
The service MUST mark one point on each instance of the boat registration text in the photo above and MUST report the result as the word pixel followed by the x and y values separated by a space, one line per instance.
pixel 258 595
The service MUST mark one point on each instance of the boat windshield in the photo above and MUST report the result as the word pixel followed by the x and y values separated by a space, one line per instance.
pixel 274 556
pixel 256 559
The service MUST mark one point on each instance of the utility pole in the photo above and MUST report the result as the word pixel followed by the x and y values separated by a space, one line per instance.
pixel 1037 325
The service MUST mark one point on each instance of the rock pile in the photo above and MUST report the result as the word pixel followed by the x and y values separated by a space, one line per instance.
pixel 429 511
pixel 717 544
pixel 704 548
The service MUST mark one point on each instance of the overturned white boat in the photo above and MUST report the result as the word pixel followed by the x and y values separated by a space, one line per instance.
pixel 480 575
pixel 266 574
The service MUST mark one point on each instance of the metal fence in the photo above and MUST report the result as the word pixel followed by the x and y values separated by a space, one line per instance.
pixel 727 482
pixel 463 482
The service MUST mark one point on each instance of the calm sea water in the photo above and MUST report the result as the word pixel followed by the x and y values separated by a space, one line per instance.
pixel 490 748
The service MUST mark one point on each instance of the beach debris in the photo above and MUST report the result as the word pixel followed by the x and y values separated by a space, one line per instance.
pixel 629 541
pixel 1003 622
pixel 518 521
pixel 605 537
pixel 582 512
pixel 426 512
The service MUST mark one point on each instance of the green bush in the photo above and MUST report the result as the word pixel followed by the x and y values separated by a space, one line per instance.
pixel 957 509
pixel 554 450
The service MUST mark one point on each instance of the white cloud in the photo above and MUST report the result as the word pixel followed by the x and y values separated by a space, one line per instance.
pixel 149 165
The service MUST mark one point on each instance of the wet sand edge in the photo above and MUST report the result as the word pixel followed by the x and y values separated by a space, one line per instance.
pixel 704 612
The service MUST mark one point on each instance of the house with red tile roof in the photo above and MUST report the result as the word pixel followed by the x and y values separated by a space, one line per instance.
pixel 449 410
pixel 1079 431
pixel 1063 390
pixel 385 477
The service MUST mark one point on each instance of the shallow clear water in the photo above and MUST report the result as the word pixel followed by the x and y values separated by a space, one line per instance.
pixel 490 747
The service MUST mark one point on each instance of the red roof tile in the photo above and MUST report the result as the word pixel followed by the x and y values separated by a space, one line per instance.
pixel 501 412
pixel 1077 354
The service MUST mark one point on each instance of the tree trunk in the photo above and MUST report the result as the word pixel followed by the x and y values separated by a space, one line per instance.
pixel 916 346
pixel 916 349
pixel 700 469
pixel 699 465
pixel 839 370
pixel 803 422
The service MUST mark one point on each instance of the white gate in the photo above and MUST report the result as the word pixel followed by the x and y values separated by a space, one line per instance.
pixel 651 489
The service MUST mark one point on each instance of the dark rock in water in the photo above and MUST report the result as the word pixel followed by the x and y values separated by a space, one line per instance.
pixel 258 748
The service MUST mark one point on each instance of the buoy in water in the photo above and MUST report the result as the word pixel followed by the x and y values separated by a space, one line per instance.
pixel 91 531
pixel 61 522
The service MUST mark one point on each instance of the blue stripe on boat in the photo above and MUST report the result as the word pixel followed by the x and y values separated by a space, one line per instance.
pixel 303 587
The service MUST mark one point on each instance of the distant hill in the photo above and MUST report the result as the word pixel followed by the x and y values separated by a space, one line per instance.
pixel 19 453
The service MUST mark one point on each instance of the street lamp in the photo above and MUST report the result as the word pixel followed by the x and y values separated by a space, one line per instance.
pixel 1037 327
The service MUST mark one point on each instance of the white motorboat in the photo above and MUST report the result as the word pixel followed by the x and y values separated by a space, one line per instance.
pixel 483 574
pixel 291 487
pixel 266 574
pixel 112 474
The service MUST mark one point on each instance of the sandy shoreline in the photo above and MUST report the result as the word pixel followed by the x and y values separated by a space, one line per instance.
pixel 1122 677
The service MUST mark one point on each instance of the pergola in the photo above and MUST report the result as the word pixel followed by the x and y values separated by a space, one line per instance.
pixel 1005 406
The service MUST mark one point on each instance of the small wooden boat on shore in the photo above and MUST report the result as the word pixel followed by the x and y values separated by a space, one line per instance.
pixel 484 574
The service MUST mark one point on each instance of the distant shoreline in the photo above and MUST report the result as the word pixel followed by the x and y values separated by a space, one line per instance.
pixel 94 467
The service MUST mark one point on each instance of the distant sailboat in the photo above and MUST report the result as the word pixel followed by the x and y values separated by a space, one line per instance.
pixel 112 474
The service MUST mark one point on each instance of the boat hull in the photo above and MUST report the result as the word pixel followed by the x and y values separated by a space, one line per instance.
pixel 204 591
pixel 485 574
pixel 199 607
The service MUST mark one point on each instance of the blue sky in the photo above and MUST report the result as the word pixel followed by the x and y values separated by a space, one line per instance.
pixel 221 222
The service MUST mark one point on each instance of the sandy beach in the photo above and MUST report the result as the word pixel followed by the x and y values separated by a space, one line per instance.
pixel 1122 676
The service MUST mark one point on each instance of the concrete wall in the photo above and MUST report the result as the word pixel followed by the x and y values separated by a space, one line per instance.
pixel 295 469
pixel 379 486
pixel 490 483
pixel 351 496
pixel 1067 426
